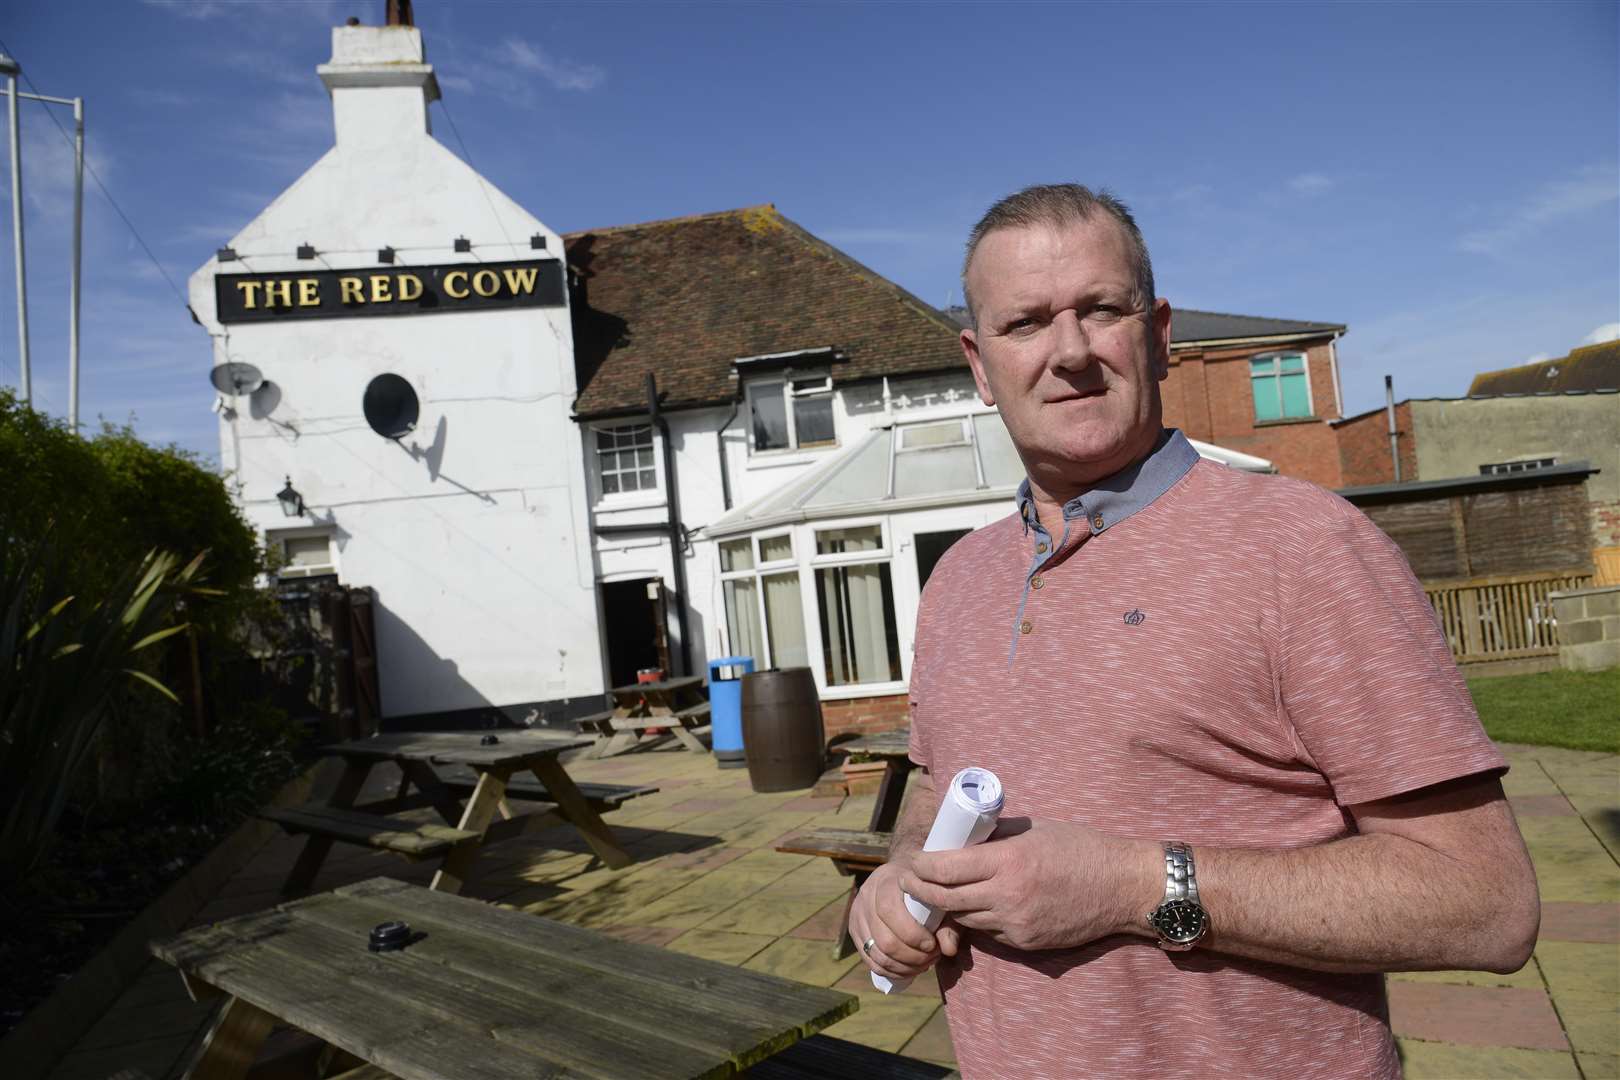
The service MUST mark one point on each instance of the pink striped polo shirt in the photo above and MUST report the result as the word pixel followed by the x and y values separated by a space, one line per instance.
pixel 1230 660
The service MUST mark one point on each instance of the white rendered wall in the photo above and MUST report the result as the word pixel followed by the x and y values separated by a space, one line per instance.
pixel 477 549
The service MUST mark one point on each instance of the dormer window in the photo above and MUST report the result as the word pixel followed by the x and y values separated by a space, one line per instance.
pixel 793 412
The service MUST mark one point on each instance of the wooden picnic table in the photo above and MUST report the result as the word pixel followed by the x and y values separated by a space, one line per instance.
pixel 482 993
pixel 677 705
pixel 416 754
pixel 893 747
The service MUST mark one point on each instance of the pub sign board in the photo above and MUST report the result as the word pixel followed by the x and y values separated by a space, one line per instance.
pixel 390 290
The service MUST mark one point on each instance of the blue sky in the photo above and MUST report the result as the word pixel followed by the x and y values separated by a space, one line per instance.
pixel 1443 177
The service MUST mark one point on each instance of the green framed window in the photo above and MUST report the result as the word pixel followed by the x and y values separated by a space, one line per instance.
pixel 1282 389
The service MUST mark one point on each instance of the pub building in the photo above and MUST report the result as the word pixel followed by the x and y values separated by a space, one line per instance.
pixel 556 461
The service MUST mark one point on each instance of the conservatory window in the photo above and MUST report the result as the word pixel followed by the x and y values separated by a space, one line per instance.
pixel 855 606
pixel 759 581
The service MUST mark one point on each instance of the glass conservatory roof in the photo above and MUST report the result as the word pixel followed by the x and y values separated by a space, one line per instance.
pixel 913 466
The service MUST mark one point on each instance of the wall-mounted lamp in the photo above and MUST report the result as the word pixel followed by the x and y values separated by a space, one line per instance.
pixel 385 255
pixel 463 244
pixel 227 254
pixel 306 251
pixel 292 503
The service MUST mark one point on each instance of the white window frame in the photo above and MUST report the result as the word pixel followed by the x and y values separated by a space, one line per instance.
pixel 758 572
pixel 277 539
pixel 812 561
pixel 652 496
pixel 1276 373
pixel 781 384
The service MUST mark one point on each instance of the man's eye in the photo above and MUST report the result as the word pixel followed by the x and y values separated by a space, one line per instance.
pixel 1023 325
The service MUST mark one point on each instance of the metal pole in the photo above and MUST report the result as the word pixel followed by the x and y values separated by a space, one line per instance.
pixel 17 235
pixel 1394 437
pixel 78 253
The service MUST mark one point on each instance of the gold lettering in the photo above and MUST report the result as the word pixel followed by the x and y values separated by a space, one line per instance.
pixel 381 288
pixel 489 276
pixel 410 287
pixel 250 293
pixel 353 290
pixel 277 293
pixel 309 294
pixel 450 280
pixel 521 282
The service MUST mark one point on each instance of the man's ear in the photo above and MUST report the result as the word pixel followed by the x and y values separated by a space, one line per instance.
pixel 1159 338
pixel 970 349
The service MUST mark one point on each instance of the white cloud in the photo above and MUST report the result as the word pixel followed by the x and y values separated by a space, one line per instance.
pixel 190 9
pixel 1536 358
pixel 1310 183
pixel 458 83
pixel 562 73
pixel 1590 188
pixel 1606 332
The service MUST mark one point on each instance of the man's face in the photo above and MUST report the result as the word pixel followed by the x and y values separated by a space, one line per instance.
pixel 1065 351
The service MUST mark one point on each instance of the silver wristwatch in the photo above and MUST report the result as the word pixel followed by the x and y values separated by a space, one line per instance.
pixel 1180 921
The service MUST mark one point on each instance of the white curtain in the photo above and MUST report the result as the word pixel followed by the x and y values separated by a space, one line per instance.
pixel 855 622
pixel 784 616
pixel 742 616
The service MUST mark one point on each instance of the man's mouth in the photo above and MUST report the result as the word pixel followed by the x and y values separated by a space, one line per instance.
pixel 1075 395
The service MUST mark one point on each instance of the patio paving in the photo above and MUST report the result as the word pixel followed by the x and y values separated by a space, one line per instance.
pixel 708 882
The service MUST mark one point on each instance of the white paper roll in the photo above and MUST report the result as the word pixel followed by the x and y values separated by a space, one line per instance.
pixel 967 814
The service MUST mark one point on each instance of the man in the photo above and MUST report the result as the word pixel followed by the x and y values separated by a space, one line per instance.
pixel 1213 698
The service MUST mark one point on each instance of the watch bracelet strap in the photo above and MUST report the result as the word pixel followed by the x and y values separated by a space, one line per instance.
pixel 1180 875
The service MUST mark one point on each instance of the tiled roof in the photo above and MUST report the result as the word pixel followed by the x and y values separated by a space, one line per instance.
pixel 685 298
pixel 1188 325
pixel 1595 367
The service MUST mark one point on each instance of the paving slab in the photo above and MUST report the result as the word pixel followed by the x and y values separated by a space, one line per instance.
pixel 804 961
pixel 722 945
pixel 932 1041
pixel 1577 965
pixel 1599 1066
pixel 1590 1021
pixel 1475 1015
pixel 1449 1061
pixel 886 1021
pixel 1563 921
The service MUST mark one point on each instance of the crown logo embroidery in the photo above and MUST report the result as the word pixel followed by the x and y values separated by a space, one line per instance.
pixel 1134 617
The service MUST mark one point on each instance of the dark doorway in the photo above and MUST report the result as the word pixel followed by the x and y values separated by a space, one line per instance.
pixel 930 546
pixel 636 635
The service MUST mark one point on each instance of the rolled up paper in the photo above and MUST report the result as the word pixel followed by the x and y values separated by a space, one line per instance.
pixel 967 814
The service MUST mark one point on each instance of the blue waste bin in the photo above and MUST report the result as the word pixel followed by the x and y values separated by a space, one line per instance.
pixel 725 710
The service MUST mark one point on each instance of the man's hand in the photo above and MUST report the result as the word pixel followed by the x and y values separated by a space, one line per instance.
pixel 1041 884
pixel 902 948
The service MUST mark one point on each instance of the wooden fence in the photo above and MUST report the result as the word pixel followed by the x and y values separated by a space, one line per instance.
pixel 1501 618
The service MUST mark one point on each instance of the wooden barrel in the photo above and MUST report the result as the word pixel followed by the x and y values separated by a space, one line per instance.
pixel 783 740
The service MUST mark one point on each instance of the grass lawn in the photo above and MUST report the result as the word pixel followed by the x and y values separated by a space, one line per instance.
pixel 1578 710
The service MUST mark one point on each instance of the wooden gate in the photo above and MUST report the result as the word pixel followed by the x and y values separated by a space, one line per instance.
pixel 1501 618
pixel 348 614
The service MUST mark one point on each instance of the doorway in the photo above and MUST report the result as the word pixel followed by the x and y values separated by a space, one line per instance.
pixel 930 546
pixel 633 614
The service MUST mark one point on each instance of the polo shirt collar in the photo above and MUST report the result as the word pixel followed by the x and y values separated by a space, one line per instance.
pixel 1133 488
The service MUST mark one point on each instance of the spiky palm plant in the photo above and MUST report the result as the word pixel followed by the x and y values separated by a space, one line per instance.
pixel 64 661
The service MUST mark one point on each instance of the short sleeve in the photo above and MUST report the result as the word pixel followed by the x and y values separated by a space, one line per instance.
pixel 1366 679
pixel 924 648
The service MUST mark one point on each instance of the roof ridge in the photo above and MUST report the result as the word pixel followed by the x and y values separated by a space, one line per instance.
pixel 684 219
pixel 1261 318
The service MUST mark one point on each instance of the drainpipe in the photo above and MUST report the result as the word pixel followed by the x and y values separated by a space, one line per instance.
pixel 677 538
pixel 1394 438
pixel 720 441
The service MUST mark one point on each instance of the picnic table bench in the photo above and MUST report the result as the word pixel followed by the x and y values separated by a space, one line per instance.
pixel 674 705
pixel 602 798
pixel 471 823
pixel 856 853
pixel 483 993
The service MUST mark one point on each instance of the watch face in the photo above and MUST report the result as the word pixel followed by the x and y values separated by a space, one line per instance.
pixel 1180 920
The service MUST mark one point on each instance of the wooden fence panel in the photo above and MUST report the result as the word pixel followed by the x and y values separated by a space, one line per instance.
pixel 1501 618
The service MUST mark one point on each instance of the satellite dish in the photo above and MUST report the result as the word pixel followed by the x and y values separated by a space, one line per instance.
pixel 263 401
pixel 390 406
pixel 235 377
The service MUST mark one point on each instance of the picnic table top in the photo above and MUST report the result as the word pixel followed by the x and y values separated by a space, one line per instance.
pixel 889 744
pixel 662 686
pixel 485 993
pixel 460 747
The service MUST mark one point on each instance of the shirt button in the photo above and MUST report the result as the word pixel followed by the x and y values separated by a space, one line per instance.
pixel 1037 582
pixel 1040 549
pixel 1097 521
pixel 1025 627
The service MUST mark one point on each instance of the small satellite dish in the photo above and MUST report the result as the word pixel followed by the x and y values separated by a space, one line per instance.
pixel 235 377
pixel 390 406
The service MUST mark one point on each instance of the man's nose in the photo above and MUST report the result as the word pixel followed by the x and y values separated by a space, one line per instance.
pixel 1071 346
